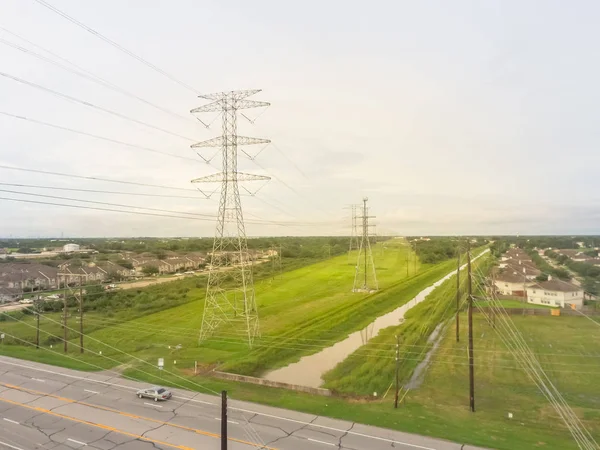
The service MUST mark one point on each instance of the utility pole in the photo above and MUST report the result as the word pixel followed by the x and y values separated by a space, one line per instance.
pixel 80 318
pixel 67 288
pixel 65 316
pixel 37 323
pixel 458 292
pixel 471 364
pixel 397 371
pixel 223 420
pixel 365 267
pixel 416 257
pixel 354 245
pixel 230 245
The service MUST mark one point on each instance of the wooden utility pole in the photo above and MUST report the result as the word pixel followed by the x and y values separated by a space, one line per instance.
pixel 458 293
pixel 397 371
pixel 80 318
pixel 67 288
pixel 37 325
pixel 65 316
pixel 223 420
pixel 471 364
pixel 415 257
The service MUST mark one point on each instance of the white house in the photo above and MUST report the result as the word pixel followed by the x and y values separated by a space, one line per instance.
pixel 555 293
pixel 69 248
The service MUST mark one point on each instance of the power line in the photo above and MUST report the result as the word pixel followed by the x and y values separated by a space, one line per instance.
pixel 83 177
pixel 192 216
pixel 106 203
pixel 114 44
pixel 91 105
pixel 84 73
pixel 95 136
pixel 99 209
pixel 97 191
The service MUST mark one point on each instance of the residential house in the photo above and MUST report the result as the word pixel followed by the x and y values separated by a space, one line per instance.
pixel 530 272
pixel 162 266
pixel 555 292
pixel 91 273
pixel 8 295
pixel 178 264
pixel 512 282
pixel 28 276
pixel 113 269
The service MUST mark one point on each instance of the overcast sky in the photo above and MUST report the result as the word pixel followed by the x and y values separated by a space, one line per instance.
pixel 452 117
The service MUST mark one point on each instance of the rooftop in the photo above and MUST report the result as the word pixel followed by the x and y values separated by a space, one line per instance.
pixel 556 285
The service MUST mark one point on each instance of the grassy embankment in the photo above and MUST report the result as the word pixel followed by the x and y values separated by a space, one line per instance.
pixel 312 302
pixel 369 370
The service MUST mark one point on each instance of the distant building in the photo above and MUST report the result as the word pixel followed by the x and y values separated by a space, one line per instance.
pixel 69 248
pixel 555 293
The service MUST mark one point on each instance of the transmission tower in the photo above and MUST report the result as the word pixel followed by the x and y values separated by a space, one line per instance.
pixel 365 279
pixel 230 297
pixel 354 245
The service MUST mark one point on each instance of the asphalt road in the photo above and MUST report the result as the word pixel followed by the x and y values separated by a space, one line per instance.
pixel 47 407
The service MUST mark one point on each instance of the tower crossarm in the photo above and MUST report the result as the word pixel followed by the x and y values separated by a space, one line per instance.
pixel 236 95
pixel 224 104
pixel 237 176
pixel 239 140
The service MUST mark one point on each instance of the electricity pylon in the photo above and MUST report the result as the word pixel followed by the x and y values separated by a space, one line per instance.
pixel 230 297
pixel 365 278
pixel 354 245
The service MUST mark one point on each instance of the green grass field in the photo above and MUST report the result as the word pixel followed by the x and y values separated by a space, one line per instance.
pixel 313 302
pixel 568 349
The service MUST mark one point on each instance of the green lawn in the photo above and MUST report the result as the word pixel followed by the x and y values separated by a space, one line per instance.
pixel 567 347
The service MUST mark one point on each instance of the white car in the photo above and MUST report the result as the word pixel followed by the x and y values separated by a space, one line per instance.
pixel 156 393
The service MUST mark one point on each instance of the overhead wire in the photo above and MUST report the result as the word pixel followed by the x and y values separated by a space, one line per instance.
pixel 95 136
pixel 251 432
pixel 536 372
pixel 116 45
pixel 86 74
pixel 98 191
pixel 92 105
pixel 84 177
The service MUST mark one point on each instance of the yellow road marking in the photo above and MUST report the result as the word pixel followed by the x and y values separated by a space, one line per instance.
pixel 122 413
pixel 97 425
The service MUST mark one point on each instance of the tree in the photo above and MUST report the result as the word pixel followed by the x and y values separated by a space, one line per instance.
pixel 542 277
pixel 150 270
pixel 125 263
pixel 593 271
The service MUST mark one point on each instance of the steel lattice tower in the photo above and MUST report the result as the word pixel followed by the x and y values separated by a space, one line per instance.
pixel 230 294
pixel 365 278
pixel 354 245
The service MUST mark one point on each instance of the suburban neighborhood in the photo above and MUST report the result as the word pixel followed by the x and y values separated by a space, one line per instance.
pixel 518 277
pixel 71 264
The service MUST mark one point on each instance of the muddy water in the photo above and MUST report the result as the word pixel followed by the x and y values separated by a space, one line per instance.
pixel 309 370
